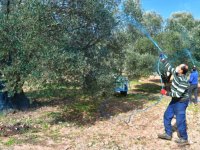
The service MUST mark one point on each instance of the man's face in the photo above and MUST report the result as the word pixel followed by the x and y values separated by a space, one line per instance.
pixel 179 68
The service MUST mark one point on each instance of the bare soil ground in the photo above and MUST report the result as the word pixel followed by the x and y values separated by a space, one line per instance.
pixel 110 133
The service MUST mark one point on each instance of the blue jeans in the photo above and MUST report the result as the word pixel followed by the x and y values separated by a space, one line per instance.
pixel 178 109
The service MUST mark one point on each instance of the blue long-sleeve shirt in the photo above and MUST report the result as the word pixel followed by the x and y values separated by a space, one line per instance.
pixel 193 78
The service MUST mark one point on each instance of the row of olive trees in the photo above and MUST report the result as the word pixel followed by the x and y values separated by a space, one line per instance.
pixel 179 32
pixel 84 43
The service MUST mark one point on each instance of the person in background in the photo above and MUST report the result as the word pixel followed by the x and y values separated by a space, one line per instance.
pixel 179 102
pixel 193 85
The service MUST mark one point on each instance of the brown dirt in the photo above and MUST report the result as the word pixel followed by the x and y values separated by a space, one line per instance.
pixel 140 134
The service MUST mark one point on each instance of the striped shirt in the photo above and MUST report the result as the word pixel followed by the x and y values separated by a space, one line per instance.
pixel 180 85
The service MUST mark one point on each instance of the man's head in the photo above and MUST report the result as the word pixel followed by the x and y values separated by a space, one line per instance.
pixel 194 68
pixel 182 69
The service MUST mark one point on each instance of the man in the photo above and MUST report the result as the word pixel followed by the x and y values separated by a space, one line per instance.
pixel 193 84
pixel 177 106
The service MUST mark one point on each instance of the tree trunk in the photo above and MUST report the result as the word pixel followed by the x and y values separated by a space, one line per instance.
pixel 20 101
pixel 89 85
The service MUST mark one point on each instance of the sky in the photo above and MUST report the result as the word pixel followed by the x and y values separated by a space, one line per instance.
pixel 166 7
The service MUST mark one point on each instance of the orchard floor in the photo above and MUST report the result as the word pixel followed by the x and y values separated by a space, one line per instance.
pixel 111 133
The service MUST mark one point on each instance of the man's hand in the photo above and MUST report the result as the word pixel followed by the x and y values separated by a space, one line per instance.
pixel 162 57
pixel 163 92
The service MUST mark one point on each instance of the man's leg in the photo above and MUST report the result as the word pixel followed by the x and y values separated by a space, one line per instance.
pixel 190 93
pixel 195 93
pixel 180 111
pixel 168 115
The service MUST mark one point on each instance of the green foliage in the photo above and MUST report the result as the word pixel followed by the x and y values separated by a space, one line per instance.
pixel 11 141
pixel 84 55
pixel 153 22
pixel 171 42
pixel 143 45
pixel 84 44
pixel 72 48
pixel 22 44
pixel 138 65
pixel 181 19
pixel 196 42
pixel 133 8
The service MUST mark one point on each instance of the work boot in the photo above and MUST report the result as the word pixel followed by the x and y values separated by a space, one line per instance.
pixel 164 136
pixel 182 141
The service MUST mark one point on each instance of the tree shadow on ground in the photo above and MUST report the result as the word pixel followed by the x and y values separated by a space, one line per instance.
pixel 150 88
pixel 130 103
pixel 155 80
pixel 86 111
pixel 53 96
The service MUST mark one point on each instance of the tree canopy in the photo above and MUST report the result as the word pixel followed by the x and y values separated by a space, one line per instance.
pixel 86 44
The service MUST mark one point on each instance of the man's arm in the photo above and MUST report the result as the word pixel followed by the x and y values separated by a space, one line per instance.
pixel 168 66
pixel 191 78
